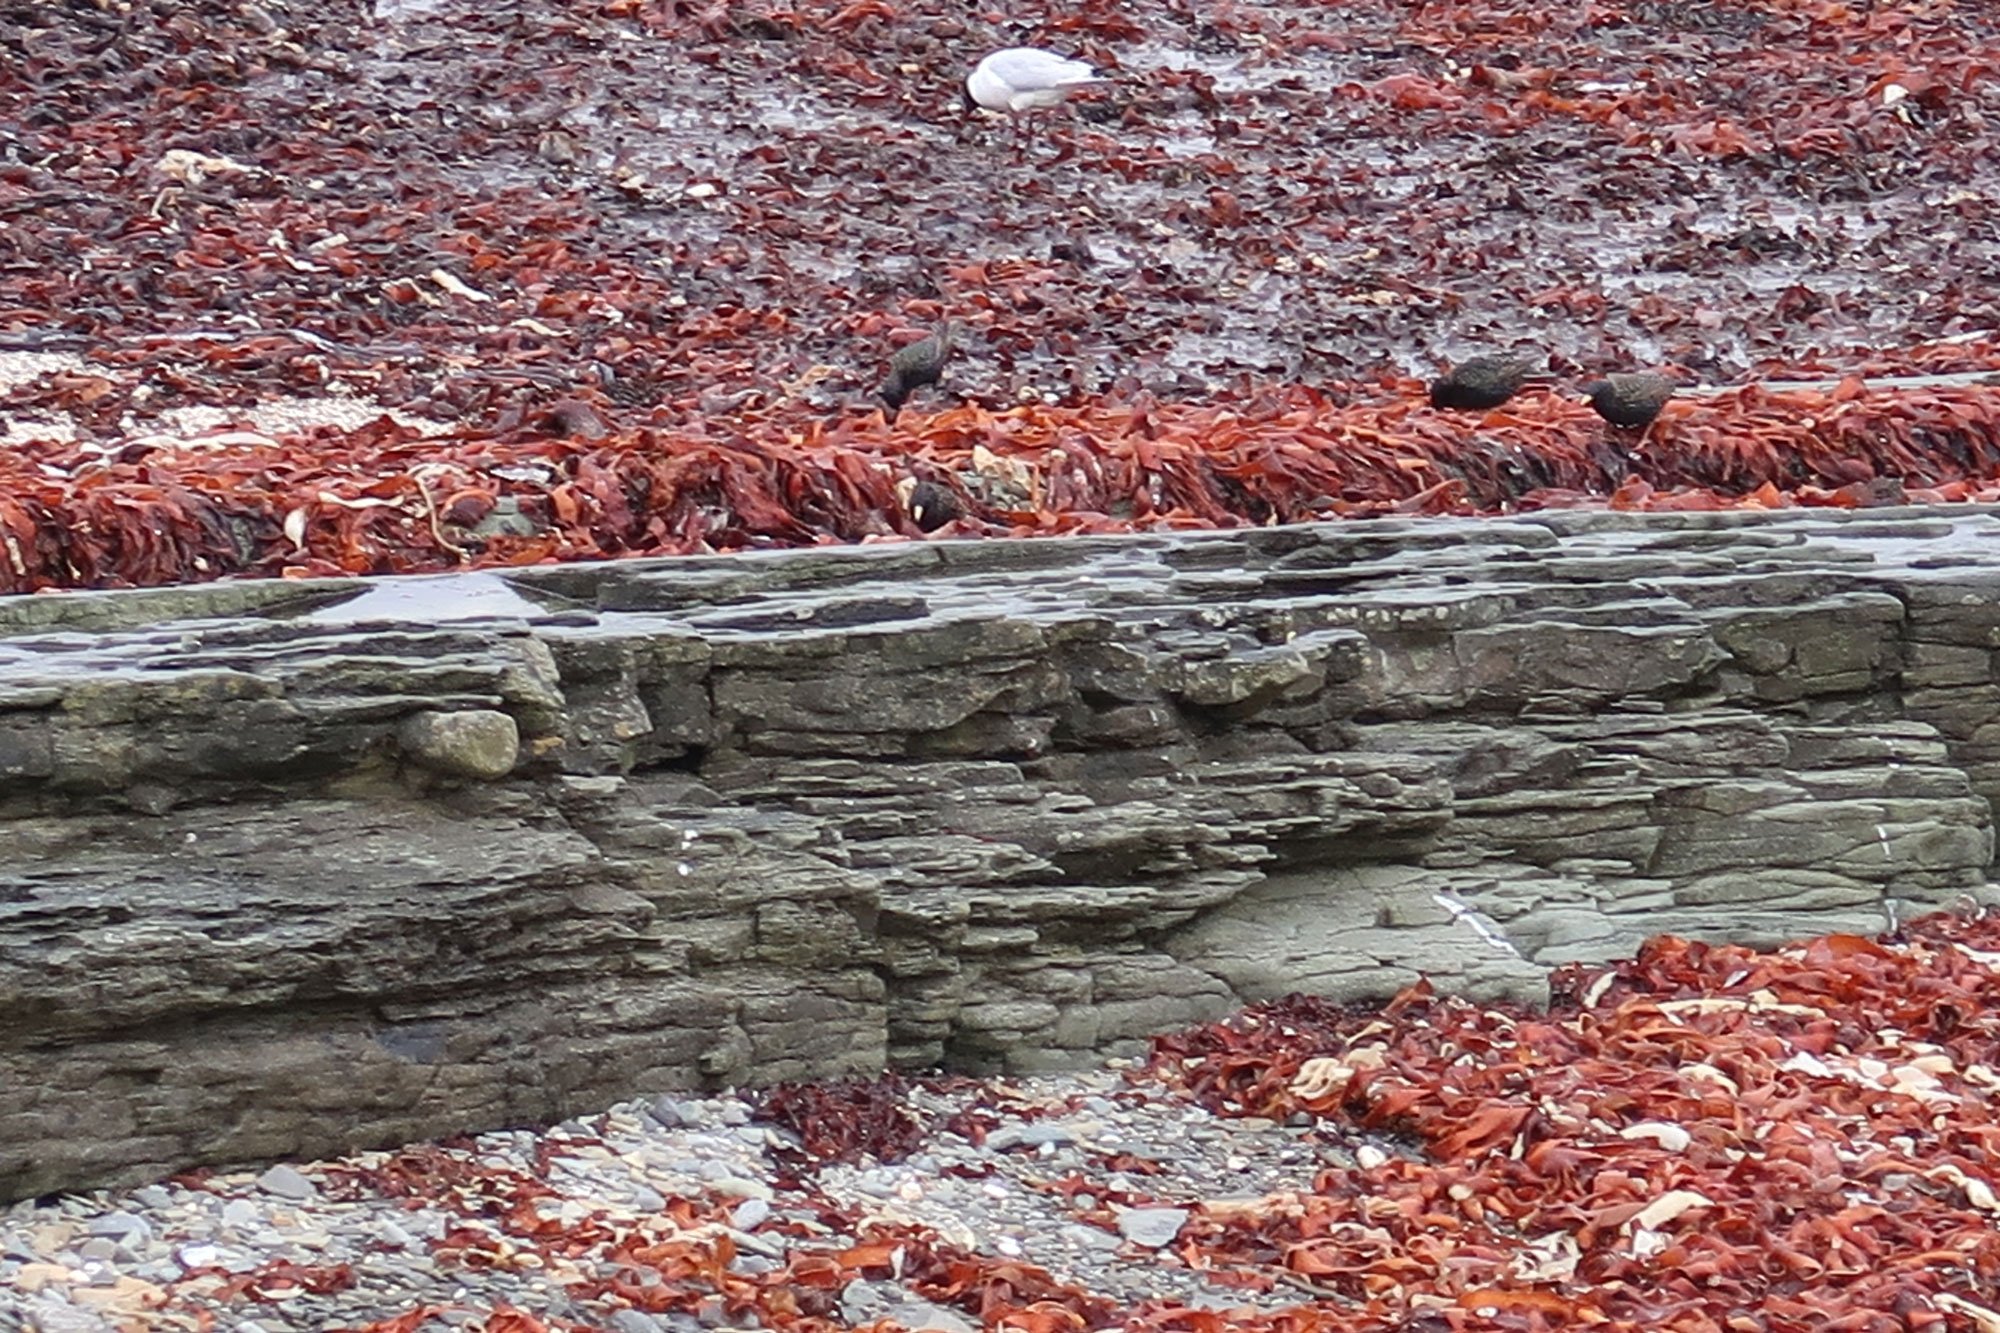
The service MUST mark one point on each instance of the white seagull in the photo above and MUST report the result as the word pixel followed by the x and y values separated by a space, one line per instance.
pixel 1023 78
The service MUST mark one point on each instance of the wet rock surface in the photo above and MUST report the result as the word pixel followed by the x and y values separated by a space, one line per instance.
pixel 271 892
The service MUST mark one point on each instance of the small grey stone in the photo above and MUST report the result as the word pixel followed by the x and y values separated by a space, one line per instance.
pixel 742 1187
pixel 1151 1227
pixel 472 743
pixel 101 1248
pixel 287 1183
pixel 127 1227
pixel 749 1214
pixel 153 1196
pixel 752 1265
pixel 735 1113
pixel 634 1321
pixel 1089 1238
pixel 672 1114
pixel 225 1258
pixel 757 1242
pixel 646 1199
pixel 863 1302
pixel 505 519
pixel 391 1234
pixel 923 1317
pixel 48 1315
pixel 198 1256
pixel 241 1213
pixel 1034 1134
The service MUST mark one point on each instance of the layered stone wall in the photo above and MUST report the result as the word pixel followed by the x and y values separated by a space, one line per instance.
pixel 287 869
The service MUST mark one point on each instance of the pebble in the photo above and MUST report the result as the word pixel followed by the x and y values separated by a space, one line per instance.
pixel 623 1170
pixel 287 1183
pixel 241 1213
pixel 1151 1227
pixel 121 1226
pixel 739 1187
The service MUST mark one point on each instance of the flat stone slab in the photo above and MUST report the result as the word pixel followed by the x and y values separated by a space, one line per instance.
pixel 294 869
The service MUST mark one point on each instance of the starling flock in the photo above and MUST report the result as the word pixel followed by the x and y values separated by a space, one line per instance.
pixel 1485 382
pixel 1026 78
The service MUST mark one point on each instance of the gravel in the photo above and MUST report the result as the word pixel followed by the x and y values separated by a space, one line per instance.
pixel 1091 1177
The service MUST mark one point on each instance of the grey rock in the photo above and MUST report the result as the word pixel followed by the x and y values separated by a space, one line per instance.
pixel 921 1316
pixel 750 1214
pixel 286 1182
pixel 727 821
pixel 633 1321
pixel 242 1213
pixel 675 1114
pixel 1091 1238
pixel 123 1226
pixel 742 1187
pixel 863 1301
pixel 1151 1227
pixel 46 1314
pixel 1032 1134
pixel 475 743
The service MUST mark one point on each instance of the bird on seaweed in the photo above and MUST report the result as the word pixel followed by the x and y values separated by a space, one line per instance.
pixel 931 506
pixel 1481 382
pixel 916 366
pixel 1630 401
pixel 1023 78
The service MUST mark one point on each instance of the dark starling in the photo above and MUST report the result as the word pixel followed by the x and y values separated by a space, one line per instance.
pixel 932 506
pixel 916 366
pixel 1629 400
pixel 1481 382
